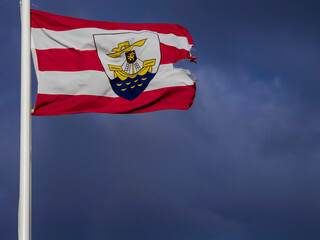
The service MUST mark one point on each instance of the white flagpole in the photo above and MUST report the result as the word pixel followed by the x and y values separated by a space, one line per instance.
pixel 24 218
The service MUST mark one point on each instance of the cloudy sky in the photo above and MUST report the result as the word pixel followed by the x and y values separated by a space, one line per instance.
pixel 242 164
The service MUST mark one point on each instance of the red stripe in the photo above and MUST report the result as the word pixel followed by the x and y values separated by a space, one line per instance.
pixel 171 54
pixel 160 99
pixel 68 60
pixel 74 60
pixel 60 23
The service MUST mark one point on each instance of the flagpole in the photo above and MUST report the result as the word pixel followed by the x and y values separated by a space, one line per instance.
pixel 24 218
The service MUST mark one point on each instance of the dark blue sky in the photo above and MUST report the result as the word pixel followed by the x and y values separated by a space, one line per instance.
pixel 242 164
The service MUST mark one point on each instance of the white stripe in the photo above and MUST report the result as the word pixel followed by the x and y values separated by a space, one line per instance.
pixel 82 39
pixel 97 83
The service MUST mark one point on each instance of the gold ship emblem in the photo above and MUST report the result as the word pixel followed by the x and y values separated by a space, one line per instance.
pixel 132 66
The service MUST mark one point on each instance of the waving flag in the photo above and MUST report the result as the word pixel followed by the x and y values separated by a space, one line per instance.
pixel 94 66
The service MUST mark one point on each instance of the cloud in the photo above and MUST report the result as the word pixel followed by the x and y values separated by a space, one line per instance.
pixel 260 152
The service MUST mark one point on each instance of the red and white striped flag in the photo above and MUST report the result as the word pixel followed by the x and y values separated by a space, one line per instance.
pixel 94 66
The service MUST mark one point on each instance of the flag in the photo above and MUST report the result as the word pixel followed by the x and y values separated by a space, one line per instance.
pixel 94 66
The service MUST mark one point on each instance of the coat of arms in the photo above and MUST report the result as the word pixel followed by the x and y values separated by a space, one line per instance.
pixel 130 60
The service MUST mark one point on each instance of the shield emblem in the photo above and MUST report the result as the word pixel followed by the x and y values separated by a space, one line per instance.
pixel 130 60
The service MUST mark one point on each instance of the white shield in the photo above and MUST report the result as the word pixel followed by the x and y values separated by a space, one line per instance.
pixel 105 43
pixel 130 60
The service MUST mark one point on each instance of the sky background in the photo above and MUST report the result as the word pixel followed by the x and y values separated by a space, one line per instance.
pixel 242 164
